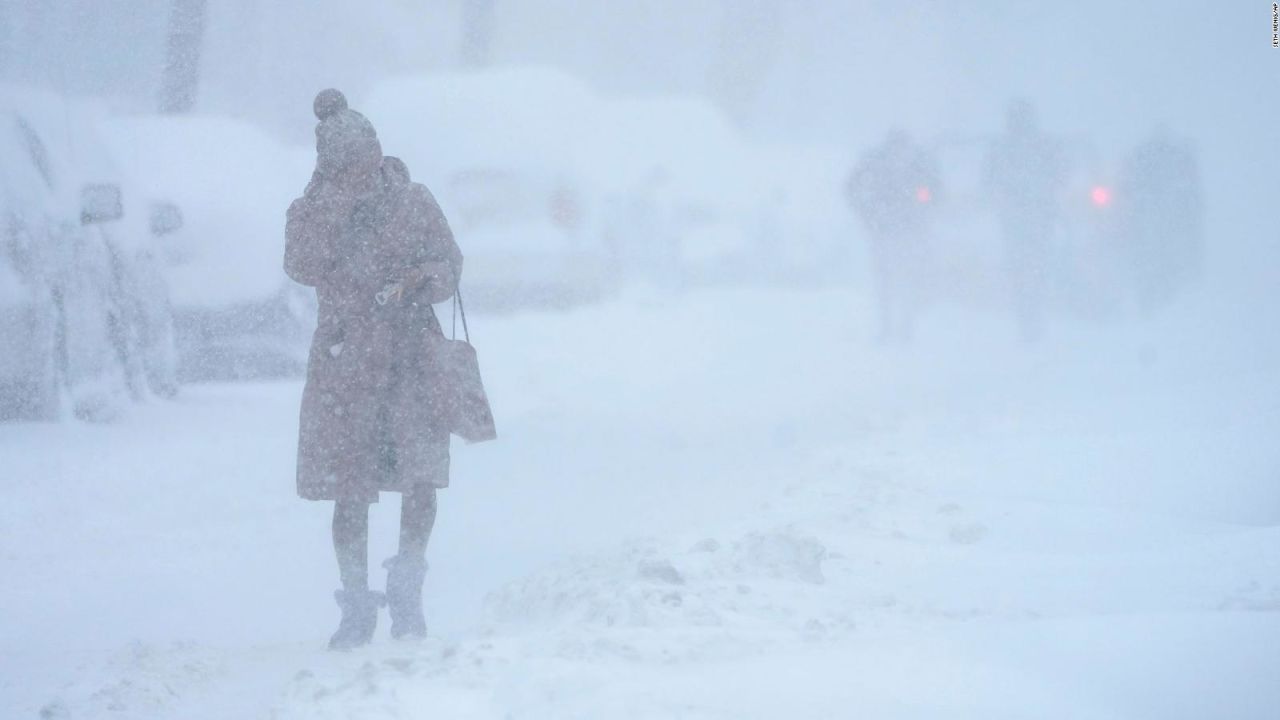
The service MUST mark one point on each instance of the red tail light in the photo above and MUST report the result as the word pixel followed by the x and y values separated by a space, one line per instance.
pixel 1100 195
pixel 923 195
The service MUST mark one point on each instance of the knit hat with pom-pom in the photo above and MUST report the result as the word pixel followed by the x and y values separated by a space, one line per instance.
pixel 345 139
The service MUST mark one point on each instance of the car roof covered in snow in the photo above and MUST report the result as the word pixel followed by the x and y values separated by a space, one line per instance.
pixel 684 140
pixel 544 123
pixel 233 183
pixel 519 119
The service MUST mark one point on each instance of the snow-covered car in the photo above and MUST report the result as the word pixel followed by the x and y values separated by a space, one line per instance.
pixel 84 312
pixel 683 193
pixel 966 259
pixel 500 150
pixel 237 315
pixel 800 230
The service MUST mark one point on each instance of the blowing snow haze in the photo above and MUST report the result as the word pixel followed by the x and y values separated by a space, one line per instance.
pixel 846 359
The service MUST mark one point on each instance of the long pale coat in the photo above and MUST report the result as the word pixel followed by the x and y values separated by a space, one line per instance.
pixel 371 415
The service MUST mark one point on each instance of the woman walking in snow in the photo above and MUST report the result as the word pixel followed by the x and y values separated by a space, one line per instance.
pixel 379 252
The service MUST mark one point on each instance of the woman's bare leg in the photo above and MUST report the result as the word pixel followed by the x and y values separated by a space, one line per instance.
pixel 359 605
pixel 351 543
pixel 406 571
pixel 417 518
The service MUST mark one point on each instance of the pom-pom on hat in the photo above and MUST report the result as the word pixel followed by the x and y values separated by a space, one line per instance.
pixel 329 102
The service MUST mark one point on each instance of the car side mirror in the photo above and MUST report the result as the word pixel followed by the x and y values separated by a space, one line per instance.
pixel 166 218
pixel 100 203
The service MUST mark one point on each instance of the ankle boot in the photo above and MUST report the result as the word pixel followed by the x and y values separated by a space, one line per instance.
pixel 404 596
pixel 359 618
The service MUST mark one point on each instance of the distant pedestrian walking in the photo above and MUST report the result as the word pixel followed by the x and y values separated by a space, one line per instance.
pixel 893 189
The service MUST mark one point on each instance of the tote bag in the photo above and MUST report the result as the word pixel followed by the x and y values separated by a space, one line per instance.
pixel 466 403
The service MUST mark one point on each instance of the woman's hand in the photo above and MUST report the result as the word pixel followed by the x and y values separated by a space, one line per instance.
pixel 413 278
pixel 426 272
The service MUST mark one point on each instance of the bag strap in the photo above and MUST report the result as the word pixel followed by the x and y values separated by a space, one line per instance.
pixel 458 308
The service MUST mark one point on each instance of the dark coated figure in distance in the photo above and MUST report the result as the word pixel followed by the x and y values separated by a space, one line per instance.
pixel 893 189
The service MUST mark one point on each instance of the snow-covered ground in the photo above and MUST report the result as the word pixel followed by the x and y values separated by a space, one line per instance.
pixel 721 504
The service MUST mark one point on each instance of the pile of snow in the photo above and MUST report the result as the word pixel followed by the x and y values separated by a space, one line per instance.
pixel 734 588
pixel 141 680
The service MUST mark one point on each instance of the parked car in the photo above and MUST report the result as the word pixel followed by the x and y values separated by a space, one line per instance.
pixel 797 227
pixel 966 251
pixel 83 311
pixel 237 315
pixel 685 192
pixel 500 150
